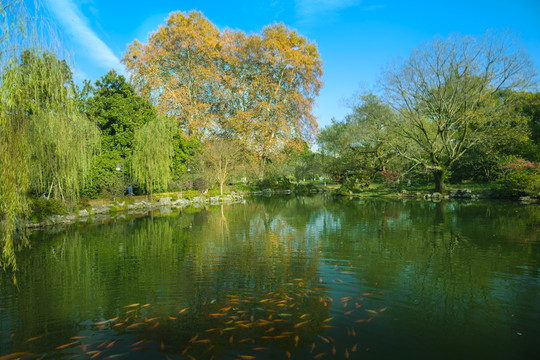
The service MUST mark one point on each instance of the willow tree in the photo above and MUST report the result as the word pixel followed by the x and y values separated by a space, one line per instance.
pixel 17 31
pixel 61 141
pixel 153 153
pixel 44 141
pixel 447 94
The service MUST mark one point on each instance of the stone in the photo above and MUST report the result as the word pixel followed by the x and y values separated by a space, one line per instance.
pixel 436 195
pixel 198 199
pixel 83 213
pixel 165 201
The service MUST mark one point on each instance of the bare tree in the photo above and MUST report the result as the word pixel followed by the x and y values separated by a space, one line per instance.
pixel 220 158
pixel 447 93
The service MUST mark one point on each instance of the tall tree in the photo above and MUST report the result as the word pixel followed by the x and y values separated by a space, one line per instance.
pixel 61 140
pixel 112 104
pixel 446 92
pixel 118 112
pixel 257 89
pixel 36 97
pixel 178 70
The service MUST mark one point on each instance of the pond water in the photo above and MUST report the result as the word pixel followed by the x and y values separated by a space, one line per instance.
pixel 308 277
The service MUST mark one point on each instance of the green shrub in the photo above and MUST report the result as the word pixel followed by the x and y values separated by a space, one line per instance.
pixel 42 208
pixel 201 184
pixel 213 192
pixel 190 194
pixel 520 177
pixel 307 187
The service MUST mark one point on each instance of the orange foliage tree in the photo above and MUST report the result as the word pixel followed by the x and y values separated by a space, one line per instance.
pixel 257 89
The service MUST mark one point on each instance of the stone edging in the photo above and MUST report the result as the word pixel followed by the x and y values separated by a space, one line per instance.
pixel 103 212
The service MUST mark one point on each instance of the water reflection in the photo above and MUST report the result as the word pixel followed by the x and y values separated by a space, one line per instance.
pixel 298 277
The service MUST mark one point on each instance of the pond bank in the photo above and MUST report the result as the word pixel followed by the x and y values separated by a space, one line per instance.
pixel 99 213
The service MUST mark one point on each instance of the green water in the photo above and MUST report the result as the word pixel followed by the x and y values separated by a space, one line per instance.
pixel 299 277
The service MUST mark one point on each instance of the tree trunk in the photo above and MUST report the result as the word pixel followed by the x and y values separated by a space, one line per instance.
pixel 221 188
pixel 151 192
pixel 439 180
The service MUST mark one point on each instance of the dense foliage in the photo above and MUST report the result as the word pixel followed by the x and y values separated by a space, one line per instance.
pixel 258 89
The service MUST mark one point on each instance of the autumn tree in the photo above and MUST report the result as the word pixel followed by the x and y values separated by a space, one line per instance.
pixel 271 82
pixel 257 89
pixel 446 93
pixel 178 70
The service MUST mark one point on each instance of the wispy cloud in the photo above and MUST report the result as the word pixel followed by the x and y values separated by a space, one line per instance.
pixel 309 11
pixel 76 25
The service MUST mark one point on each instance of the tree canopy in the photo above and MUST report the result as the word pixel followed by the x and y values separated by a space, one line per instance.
pixel 447 94
pixel 258 89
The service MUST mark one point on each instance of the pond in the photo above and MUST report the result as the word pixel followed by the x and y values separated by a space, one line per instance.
pixel 307 277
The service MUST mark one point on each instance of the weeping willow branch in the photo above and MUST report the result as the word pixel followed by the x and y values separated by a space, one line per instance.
pixel 44 140
pixel 152 157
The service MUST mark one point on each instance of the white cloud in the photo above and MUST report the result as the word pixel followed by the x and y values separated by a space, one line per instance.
pixel 309 11
pixel 76 25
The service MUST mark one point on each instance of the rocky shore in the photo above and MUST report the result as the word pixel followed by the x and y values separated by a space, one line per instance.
pixel 464 194
pixel 102 213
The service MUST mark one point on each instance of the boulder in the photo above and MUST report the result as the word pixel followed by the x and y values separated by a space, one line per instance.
pixel 83 213
pixel 165 201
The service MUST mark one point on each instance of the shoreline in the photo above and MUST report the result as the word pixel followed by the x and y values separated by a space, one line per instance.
pixel 101 213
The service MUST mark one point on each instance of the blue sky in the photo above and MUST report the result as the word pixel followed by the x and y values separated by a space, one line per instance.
pixel 356 38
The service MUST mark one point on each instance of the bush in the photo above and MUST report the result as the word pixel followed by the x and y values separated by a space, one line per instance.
pixel 190 194
pixel 305 187
pixel 201 184
pixel 391 178
pixel 266 183
pixel 42 208
pixel 520 177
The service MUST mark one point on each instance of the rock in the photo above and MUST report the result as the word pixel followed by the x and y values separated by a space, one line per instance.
pixel 121 204
pixel 83 213
pixel 180 202
pixel 436 195
pixel 214 200
pixel 198 199
pixel 165 210
pixel 427 196
pixel 165 201
pixel 100 209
